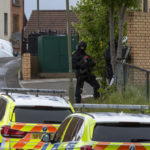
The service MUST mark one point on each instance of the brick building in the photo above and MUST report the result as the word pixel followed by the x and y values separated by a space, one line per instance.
pixel 138 33
pixel 12 21
pixel 54 20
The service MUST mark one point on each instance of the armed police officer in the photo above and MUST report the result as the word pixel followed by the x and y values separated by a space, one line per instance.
pixel 83 65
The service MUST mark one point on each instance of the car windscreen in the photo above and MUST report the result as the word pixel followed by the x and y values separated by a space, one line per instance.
pixel 44 115
pixel 121 132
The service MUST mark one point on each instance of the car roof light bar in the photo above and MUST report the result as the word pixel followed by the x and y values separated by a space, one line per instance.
pixel 26 90
pixel 111 106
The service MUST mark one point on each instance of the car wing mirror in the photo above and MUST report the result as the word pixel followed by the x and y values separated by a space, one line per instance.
pixel 46 137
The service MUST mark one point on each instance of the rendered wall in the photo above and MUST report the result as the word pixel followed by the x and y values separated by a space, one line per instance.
pixel 4 8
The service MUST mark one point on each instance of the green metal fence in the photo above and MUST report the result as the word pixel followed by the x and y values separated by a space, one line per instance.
pixel 53 54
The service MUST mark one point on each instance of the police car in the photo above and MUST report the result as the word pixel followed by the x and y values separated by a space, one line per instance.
pixel 102 131
pixel 23 117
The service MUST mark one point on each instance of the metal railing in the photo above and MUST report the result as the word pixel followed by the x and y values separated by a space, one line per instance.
pixel 131 75
pixel 140 108
pixel 111 106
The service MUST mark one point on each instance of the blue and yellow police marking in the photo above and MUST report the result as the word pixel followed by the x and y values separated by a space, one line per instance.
pixel 71 145
pixel 45 146
pixel 55 146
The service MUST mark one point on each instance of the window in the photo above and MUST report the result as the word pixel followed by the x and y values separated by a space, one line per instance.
pixel 122 132
pixel 60 131
pixel 16 2
pixel 44 115
pixel 2 108
pixel 145 5
pixel 5 24
pixel 15 23
pixel 75 127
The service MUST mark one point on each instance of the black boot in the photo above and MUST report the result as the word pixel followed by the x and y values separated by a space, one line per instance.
pixel 96 95
pixel 78 100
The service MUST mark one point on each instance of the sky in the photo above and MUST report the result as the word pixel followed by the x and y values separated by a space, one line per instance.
pixel 46 4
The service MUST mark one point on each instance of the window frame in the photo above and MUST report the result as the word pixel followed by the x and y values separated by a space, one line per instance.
pixel 63 132
pixel 16 3
pixel 5 24
pixel 76 128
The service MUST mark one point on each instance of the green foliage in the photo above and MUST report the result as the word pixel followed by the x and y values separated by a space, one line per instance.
pixel 132 96
pixel 93 27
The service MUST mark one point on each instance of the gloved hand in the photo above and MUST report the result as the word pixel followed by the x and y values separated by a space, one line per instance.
pixel 86 59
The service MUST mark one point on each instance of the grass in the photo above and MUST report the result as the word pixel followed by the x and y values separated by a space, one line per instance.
pixel 132 96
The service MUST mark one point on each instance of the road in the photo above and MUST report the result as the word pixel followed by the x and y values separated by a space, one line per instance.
pixel 9 72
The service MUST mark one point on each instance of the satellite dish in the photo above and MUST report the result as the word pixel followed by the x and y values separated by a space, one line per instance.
pixel 16 36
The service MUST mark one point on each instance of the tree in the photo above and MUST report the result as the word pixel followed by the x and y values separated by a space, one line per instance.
pixel 110 4
pixel 93 28
pixel 103 20
pixel 118 7
pixel 122 7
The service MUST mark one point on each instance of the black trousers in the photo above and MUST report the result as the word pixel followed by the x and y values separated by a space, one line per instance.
pixel 109 72
pixel 91 79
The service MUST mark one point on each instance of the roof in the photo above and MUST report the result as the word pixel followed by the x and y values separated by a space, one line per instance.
pixel 41 100
pixel 54 20
pixel 120 117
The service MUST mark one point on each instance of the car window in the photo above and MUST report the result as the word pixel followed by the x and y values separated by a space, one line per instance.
pixel 44 115
pixel 60 131
pixel 2 108
pixel 74 130
pixel 121 132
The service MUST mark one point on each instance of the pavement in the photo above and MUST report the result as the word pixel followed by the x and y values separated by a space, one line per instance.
pixel 57 84
pixel 9 68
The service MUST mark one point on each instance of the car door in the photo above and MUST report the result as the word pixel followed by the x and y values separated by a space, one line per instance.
pixel 5 109
pixel 59 133
pixel 72 134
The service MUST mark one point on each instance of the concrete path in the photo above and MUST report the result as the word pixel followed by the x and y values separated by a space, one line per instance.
pixel 58 84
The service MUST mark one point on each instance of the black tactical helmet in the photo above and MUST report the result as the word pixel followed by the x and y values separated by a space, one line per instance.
pixel 82 44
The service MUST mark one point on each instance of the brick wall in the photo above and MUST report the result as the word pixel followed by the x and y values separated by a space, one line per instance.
pixel 138 33
pixel 26 66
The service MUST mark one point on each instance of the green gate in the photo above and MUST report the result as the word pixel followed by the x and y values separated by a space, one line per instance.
pixel 53 53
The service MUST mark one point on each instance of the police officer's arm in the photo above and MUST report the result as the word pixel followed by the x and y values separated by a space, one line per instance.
pixel 75 62
pixel 91 63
